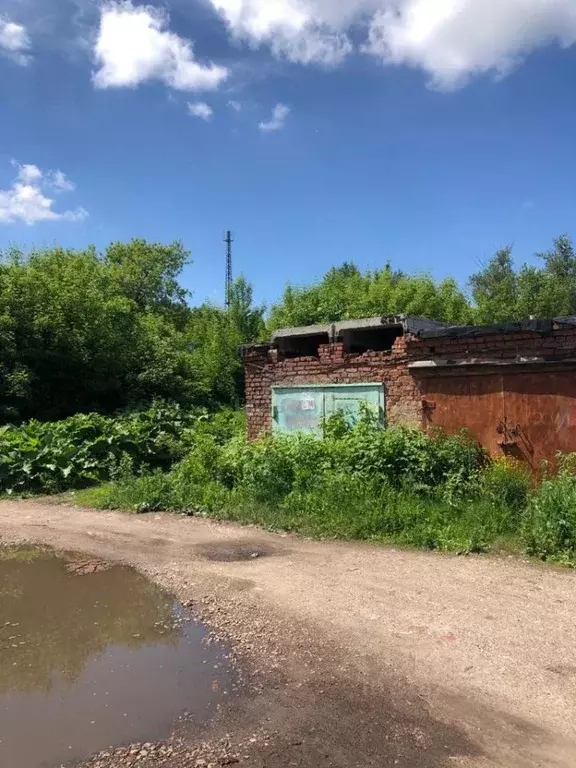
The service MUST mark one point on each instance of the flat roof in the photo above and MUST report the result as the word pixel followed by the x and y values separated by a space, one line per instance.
pixel 422 327
pixel 408 323
pixel 305 330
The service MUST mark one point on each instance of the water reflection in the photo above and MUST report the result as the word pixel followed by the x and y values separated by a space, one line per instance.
pixel 54 621
pixel 90 661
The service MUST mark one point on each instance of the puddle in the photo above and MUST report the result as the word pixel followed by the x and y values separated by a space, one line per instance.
pixel 92 657
pixel 223 552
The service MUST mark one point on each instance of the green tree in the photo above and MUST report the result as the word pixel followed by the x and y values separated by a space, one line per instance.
pixel 217 336
pixel 148 274
pixel 82 332
pixel 246 319
pixel 560 273
pixel 502 294
pixel 216 358
pixel 495 290
pixel 346 293
pixel 533 295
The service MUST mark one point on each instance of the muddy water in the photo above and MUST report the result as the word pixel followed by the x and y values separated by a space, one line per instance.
pixel 92 656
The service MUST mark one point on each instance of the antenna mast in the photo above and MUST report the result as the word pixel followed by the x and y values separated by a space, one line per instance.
pixel 228 240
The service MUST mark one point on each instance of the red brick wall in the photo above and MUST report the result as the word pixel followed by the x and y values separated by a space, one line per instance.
pixel 559 345
pixel 332 366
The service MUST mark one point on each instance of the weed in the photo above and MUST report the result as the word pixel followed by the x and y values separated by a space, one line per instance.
pixel 549 526
pixel 362 483
pixel 86 449
pixel 396 485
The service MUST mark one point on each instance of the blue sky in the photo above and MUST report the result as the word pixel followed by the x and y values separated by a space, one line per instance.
pixel 426 132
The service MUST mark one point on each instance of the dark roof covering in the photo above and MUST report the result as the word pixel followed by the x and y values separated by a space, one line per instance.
pixel 421 325
pixel 408 323
pixel 569 320
pixel 470 331
pixel 542 327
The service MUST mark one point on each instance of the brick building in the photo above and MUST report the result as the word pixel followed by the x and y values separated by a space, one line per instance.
pixel 513 386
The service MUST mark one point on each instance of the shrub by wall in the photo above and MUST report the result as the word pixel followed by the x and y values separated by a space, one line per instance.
pixel 396 485
pixel 549 524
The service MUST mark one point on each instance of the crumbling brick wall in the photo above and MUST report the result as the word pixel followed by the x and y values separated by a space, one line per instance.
pixel 559 345
pixel 266 369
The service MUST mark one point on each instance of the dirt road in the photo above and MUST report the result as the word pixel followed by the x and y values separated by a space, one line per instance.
pixel 362 656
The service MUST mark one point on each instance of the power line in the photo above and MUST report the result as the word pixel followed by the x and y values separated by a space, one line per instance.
pixel 228 240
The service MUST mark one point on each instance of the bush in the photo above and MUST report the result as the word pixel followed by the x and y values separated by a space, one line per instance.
pixel 222 425
pixel 82 450
pixel 359 483
pixel 400 457
pixel 549 527
pixel 147 493
pixel 346 506
pixel 409 457
pixel 506 484
pixel 395 485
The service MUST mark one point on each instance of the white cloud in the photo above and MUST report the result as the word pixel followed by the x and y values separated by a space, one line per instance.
pixel 59 183
pixel 200 109
pixel 300 30
pixel 14 41
pixel 235 105
pixel 28 174
pixel 26 200
pixel 279 115
pixel 134 45
pixel 452 40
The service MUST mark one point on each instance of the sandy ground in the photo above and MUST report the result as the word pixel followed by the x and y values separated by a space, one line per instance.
pixel 358 656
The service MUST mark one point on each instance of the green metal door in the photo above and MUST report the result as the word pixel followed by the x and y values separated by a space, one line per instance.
pixel 304 408
pixel 350 400
pixel 297 409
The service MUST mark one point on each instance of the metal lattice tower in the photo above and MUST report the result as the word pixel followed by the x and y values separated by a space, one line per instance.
pixel 228 240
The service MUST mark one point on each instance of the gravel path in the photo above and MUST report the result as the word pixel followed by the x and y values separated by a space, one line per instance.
pixel 354 655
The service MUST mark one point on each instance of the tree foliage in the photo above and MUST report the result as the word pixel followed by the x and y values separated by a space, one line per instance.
pixel 499 292
pixel 502 293
pixel 495 289
pixel 216 340
pixel 346 293
pixel 82 331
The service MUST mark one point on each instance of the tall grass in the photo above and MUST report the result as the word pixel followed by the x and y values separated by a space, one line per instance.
pixel 549 524
pixel 394 485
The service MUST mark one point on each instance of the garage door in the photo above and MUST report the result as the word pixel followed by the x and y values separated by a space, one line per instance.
pixel 304 408
pixel 528 415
